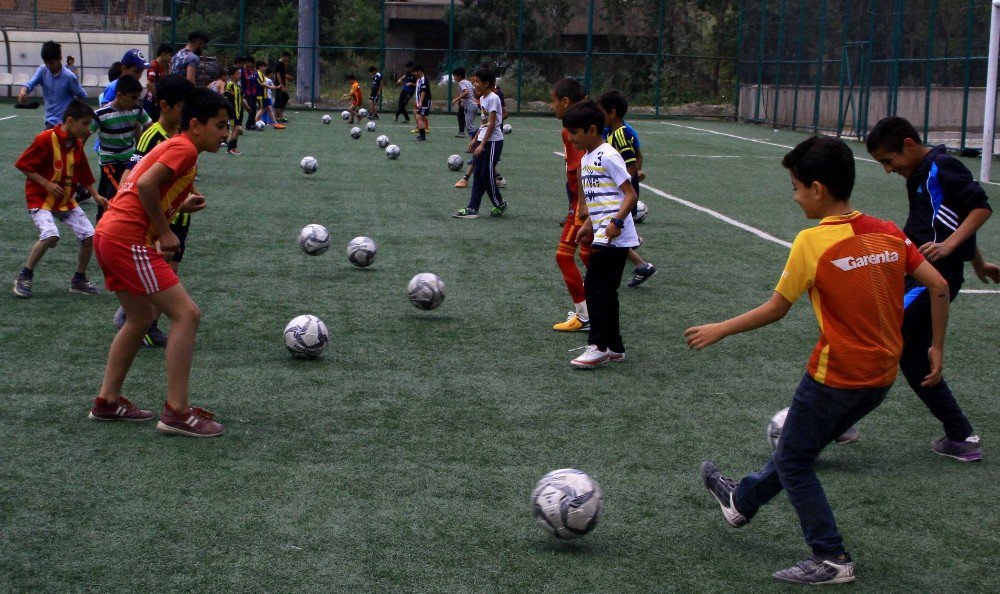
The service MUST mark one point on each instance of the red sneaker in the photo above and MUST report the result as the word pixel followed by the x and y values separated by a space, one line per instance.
pixel 196 422
pixel 121 410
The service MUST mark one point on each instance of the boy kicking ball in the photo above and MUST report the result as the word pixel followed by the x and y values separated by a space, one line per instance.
pixel 130 244
pixel 853 267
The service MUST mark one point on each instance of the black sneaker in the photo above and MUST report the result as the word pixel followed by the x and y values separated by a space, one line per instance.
pixel 641 275
pixel 154 337
pixel 818 571
pixel 22 287
pixel 724 491
pixel 466 213
pixel 83 286
pixel 963 451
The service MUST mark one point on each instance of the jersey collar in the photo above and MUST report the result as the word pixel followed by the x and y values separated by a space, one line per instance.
pixel 839 219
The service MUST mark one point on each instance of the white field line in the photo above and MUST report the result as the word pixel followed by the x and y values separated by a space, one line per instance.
pixel 759 233
pixel 8 118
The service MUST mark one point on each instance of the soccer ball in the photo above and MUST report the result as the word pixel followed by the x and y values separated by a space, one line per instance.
pixel 455 162
pixel 426 290
pixel 355 133
pixel 361 251
pixel 506 129
pixel 345 114
pixel 370 126
pixel 327 119
pixel 392 151
pixel 383 141
pixel 567 503
pixel 314 239
pixel 306 336
pixel 261 125
pixel 774 427
pixel 308 165
pixel 363 112
pixel 640 211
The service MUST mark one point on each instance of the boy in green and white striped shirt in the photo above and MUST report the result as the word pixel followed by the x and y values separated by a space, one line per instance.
pixel 115 125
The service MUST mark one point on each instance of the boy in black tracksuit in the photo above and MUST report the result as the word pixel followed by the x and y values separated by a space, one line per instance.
pixel 947 207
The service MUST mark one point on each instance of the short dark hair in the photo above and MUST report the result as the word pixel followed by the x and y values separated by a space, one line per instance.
pixel 417 67
pixel 261 63
pixel 269 71
pixel 114 71
pixel 128 85
pixel 486 76
pixel 826 160
pixel 232 70
pixel 164 48
pixel 889 134
pixel 202 104
pixel 78 110
pixel 458 72
pixel 613 99
pixel 568 88
pixel 583 115
pixel 68 58
pixel 51 50
pixel 351 77
pixel 197 36
pixel 409 64
pixel 286 53
pixel 372 69
pixel 173 88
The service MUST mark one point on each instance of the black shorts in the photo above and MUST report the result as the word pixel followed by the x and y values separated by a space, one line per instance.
pixel 374 98
pixel 180 226
pixel 111 176
pixel 424 111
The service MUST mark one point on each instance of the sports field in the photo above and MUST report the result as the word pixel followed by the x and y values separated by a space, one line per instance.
pixel 403 459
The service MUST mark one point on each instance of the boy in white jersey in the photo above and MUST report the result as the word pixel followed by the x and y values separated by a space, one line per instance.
pixel 486 149
pixel 605 208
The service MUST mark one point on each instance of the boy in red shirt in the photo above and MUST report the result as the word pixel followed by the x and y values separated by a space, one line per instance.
pixel 131 240
pixel 565 93
pixel 56 165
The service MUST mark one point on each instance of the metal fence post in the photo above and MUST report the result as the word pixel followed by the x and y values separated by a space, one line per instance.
pixel 739 61
pixel 989 117
pixel 520 51
pixel 590 44
pixel 897 39
pixel 381 44
pixel 799 42
pixel 243 12
pixel 927 68
pixel 970 30
pixel 315 51
pixel 760 59
pixel 451 49
pixel 173 22
pixel 844 60
pixel 819 65
pixel 659 54
pixel 35 14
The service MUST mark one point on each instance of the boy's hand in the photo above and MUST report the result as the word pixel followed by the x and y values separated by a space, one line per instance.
pixel 935 251
pixel 168 243
pixel 936 359
pixel 54 189
pixel 642 176
pixel 612 231
pixel 102 201
pixel 986 271
pixel 479 149
pixel 699 337
pixel 586 234
pixel 22 95
pixel 193 203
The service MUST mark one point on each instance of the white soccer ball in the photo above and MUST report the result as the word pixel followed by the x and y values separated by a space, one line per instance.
pixel 426 290
pixel 355 133
pixel 370 126
pixel 308 165
pixel 392 151
pixel 455 162
pixel 506 128
pixel 361 251
pixel 640 211
pixel 314 239
pixel 567 503
pixel 774 427
pixel 261 125
pixel 383 141
pixel 327 119
pixel 345 114
pixel 363 112
pixel 306 336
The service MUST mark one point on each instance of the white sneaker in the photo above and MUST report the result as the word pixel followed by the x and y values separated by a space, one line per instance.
pixel 616 357
pixel 591 357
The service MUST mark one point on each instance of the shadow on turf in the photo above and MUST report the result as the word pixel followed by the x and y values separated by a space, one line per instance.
pixel 428 317
pixel 581 546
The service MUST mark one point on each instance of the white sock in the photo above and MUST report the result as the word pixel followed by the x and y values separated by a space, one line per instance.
pixel 581 311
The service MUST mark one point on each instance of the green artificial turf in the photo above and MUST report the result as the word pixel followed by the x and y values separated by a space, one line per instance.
pixel 402 459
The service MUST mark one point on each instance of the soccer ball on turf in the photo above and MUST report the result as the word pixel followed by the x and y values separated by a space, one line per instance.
pixel 455 162
pixel 640 211
pixel 363 112
pixel 426 290
pixel 308 165
pixel 506 128
pixel 370 126
pixel 361 251
pixel 774 427
pixel 314 239
pixel 306 336
pixel 355 133
pixel 261 125
pixel 567 503
pixel 345 114
pixel 392 151
pixel 327 119
pixel 383 141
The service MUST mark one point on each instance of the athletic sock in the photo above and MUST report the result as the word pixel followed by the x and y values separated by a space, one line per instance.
pixel 233 143
pixel 423 133
pixel 28 274
pixel 581 311
pixel 79 276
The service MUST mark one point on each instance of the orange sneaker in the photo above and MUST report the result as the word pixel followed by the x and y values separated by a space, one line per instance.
pixel 280 126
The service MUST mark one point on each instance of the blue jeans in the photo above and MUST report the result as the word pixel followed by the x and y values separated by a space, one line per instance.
pixel 818 415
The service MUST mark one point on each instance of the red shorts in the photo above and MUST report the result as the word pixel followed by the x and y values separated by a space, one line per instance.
pixel 134 268
pixel 570 229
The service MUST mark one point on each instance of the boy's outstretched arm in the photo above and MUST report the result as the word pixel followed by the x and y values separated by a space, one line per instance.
pixel 775 308
pixel 986 271
pixel 935 251
pixel 937 289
